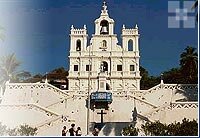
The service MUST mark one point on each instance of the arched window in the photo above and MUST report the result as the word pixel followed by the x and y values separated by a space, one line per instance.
pixel 104 27
pixel 104 66
pixel 78 45
pixel 130 45
pixel 104 44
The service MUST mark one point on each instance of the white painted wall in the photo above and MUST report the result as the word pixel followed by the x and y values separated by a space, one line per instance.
pixel 73 107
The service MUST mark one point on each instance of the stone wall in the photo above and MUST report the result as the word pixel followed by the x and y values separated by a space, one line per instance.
pixel 48 108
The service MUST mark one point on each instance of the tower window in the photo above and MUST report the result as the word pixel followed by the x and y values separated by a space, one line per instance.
pixel 104 27
pixel 78 45
pixel 119 67
pixel 104 44
pixel 75 67
pixel 130 45
pixel 88 67
pixel 132 68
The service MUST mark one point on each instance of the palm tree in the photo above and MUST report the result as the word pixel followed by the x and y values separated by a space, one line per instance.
pixel 189 63
pixel 8 66
pixel 23 75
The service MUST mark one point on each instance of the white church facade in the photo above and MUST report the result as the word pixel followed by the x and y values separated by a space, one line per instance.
pixel 120 63
pixel 104 89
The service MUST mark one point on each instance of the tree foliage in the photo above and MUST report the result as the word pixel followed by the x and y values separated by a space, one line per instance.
pixel 147 81
pixel 189 64
pixel 35 78
pixel 25 130
pixel 24 75
pixel 130 131
pixel 173 76
pixel 3 129
pixel 8 67
pixel 187 73
pixel 155 129
pixel 59 73
pixel 185 128
pixel 12 132
pixel 22 130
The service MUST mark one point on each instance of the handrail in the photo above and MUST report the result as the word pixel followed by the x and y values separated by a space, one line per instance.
pixel 57 89
pixel 48 121
pixel 30 104
pixel 173 105
pixel 156 109
pixel 46 109
pixel 39 84
pixel 54 103
pixel 138 91
pixel 185 102
pixel 144 118
pixel 144 101
pixel 154 88
pixel 169 105
pixel 58 101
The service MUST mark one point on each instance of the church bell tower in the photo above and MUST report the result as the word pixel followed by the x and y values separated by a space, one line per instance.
pixel 104 25
pixel 120 63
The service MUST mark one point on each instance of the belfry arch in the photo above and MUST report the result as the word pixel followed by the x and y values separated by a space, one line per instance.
pixel 78 45
pixel 104 27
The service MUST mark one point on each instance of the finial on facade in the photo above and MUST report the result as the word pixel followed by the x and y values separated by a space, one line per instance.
pixel 123 27
pixel 72 27
pixel 136 27
pixel 104 6
pixel 46 81
pixel 84 26
pixel 8 81
pixel 161 78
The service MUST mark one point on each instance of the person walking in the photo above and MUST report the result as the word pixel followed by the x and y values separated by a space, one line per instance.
pixel 64 131
pixel 95 131
pixel 78 131
pixel 72 130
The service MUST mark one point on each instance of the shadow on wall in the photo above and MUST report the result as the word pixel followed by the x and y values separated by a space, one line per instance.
pixel 114 128
pixel 190 93
pixel 110 128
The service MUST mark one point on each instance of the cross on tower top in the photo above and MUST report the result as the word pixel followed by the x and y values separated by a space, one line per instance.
pixel 104 6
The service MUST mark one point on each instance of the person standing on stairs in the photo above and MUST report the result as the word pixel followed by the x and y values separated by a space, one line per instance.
pixel 95 131
pixel 72 130
pixel 78 131
pixel 64 131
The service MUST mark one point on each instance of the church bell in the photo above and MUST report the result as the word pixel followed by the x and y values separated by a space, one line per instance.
pixel 104 30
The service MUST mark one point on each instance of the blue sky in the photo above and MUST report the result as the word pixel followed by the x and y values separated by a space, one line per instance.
pixel 37 31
